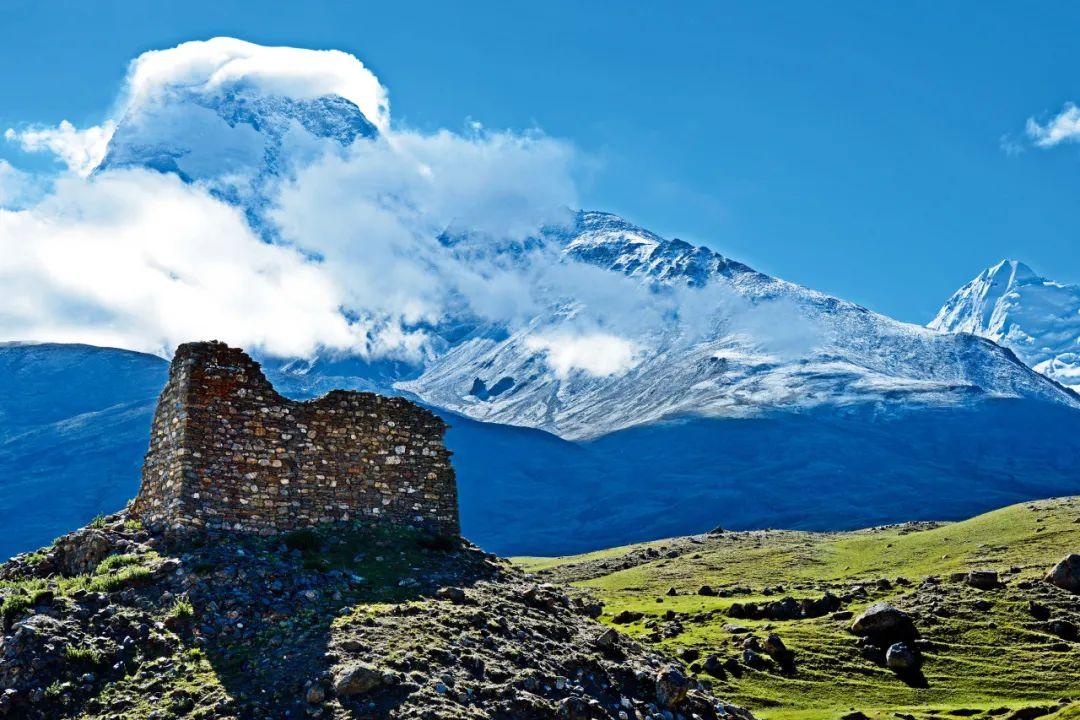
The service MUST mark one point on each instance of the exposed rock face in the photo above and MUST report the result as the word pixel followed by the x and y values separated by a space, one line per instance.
pixel 227 452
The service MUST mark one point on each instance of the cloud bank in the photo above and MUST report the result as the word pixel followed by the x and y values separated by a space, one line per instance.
pixel 359 261
pixel 266 224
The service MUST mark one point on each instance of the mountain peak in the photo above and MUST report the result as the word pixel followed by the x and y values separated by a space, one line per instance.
pixel 1012 305
pixel 1012 270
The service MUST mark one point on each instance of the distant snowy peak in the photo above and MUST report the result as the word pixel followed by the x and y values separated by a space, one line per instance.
pixel 611 242
pixel 235 142
pixel 1036 318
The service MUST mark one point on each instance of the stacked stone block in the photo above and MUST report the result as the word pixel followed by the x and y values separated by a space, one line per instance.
pixel 227 452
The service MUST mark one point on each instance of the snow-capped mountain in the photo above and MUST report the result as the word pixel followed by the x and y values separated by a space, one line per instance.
pixel 1036 318
pixel 685 332
pixel 764 345
pixel 238 143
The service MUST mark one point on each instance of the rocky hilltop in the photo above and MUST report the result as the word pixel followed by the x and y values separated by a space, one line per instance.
pixel 369 621
pixel 287 559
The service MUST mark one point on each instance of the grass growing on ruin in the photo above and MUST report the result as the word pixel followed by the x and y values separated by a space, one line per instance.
pixel 113 573
pixel 988 657
pixel 185 685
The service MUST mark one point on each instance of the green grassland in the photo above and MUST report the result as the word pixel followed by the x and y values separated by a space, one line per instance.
pixel 988 653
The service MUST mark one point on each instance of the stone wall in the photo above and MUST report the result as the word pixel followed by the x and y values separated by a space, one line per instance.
pixel 227 452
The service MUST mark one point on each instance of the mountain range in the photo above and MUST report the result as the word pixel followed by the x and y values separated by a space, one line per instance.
pixel 732 397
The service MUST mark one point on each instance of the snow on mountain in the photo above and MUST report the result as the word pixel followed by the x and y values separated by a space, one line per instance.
pixel 75 424
pixel 1036 318
pixel 765 345
pixel 631 328
pixel 236 143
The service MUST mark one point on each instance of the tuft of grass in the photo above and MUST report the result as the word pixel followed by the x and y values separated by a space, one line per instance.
pixel 39 595
pixel 115 562
pixel 98 521
pixel 133 525
pixel 82 655
pixel 15 605
pixel 113 581
pixel 182 609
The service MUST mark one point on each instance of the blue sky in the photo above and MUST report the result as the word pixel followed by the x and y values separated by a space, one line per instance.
pixel 852 147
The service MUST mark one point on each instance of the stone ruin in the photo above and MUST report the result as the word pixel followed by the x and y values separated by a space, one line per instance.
pixel 227 452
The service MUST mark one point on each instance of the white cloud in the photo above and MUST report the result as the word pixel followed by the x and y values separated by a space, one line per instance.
pixel 137 259
pixel 80 150
pixel 596 354
pixel 1063 127
pixel 376 213
pixel 141 260
pixel 224 63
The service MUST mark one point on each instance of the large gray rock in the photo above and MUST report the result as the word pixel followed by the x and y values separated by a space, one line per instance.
pixel 1066 574
pixel 358 679
pixel 671 687
pixel 983 579
pixel 882 621
pixel 902 657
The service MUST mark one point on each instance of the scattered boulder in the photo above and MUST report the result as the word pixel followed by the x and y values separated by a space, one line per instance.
pixel 627 616
pixel 1066 574
pixel 774 646
pixel 607 639
pixel 754 659
pixel 316 694
pixel 902 657
pixel 1064 629
pixel 884 623
pixel 1038 610
pixel 689 655
pixel 983 579
pixel 787 608
pixel 671 687
pixel 358 679
pixel 714 666
pixel 706 591
pixel 452 594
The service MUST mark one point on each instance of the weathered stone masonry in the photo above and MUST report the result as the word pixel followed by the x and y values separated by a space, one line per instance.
pixel 227 452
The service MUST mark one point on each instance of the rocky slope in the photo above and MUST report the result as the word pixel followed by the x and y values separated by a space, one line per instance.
pixel 804 625
pixel 372 622
pixel 1036 318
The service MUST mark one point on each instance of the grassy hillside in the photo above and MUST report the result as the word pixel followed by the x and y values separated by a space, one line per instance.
pixel 987 654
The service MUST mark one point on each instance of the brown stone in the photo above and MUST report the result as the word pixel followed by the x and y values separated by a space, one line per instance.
pixel 227 452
